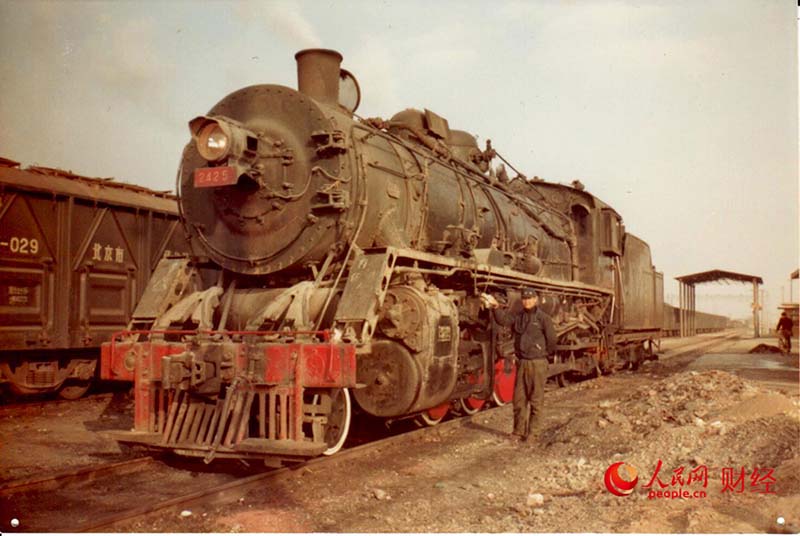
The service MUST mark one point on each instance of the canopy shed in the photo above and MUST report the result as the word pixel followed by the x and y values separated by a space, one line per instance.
pixel 686 286
pixel 792 308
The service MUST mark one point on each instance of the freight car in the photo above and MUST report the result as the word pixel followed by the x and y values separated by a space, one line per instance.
pixel 75 255
pixel 352 255
pixel 704 322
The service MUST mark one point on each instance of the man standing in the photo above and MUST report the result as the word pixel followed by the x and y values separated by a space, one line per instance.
pixel 784 330
pixel 534 340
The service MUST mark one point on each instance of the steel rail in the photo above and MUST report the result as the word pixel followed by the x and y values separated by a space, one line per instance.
pixel 58 479
pixel 701 345
pixel 24 408
pixel 233 490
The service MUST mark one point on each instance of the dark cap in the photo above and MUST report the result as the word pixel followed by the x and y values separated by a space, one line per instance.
pixel 529 293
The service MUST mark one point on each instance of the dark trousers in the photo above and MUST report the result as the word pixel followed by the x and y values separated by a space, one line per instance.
pixel 786 336
pixel 529 396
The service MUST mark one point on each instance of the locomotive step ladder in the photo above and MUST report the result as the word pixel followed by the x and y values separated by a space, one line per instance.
pixel 362 298
pixel 167 284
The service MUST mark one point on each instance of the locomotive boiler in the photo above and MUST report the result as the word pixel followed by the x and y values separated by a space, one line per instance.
pixel 351 255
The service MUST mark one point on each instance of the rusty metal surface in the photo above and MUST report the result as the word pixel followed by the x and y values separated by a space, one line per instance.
pixel 706 322
pixel 358 309
pixel 60 182
pixel 75 255
pixel 386 233
pixel 318 74
pixel 640 305
pixel 285 206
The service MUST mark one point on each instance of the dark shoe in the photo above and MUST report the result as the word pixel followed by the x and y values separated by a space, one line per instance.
pixel 535 433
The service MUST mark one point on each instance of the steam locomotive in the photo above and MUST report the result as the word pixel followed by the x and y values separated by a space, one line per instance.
pixel 351 255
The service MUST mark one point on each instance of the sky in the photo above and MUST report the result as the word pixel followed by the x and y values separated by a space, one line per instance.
pixel 682 115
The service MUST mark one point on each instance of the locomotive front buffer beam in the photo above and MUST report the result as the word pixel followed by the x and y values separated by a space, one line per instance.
pixel 269 397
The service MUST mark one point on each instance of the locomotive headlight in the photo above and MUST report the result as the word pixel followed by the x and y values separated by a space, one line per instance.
pixel 213 143
pixel 219 137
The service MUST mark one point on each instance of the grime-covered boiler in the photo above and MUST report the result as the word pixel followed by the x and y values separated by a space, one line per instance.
pixel 351 256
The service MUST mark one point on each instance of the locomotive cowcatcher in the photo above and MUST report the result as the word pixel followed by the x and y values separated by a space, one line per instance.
pixel 350 258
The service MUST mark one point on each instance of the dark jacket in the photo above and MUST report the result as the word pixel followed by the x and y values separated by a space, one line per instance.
pixel 785 323
pixel 534 336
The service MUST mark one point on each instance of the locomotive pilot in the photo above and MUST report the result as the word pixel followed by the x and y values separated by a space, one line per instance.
pixel 534 341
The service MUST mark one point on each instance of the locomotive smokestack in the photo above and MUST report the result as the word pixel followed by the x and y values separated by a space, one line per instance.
pixel 318 74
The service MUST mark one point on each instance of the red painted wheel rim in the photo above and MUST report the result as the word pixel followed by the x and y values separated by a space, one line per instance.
pixel 471 403
pixel 438 412
pixel 474 403
pixel 504 382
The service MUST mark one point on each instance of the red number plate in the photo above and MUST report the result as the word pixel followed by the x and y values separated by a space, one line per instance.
pixel 215 176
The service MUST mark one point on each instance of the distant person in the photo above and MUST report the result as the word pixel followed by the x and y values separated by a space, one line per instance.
pixel 784 330
pixel 534 341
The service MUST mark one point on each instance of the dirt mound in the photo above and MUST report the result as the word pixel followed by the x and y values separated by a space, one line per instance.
pixel 788 475
pixel 685 398
pixel 761 405
pixel 692 418
pixel 763 442
pixel 765 349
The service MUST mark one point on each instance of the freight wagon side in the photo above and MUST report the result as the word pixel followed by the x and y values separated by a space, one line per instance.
pixel 75 255
pixel 705 322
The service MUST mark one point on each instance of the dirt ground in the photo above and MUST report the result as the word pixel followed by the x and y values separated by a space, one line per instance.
pixel 62 436
pixel 735 416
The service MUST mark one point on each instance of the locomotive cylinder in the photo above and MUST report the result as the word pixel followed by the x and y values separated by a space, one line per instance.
pixel 415 365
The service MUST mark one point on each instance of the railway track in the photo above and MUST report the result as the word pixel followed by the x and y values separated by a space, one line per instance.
pixel 33 407
pixel 120 494
pixel 235 489
pixel 41 483
pixel 692 347
pixel 74 500
pixel 94 499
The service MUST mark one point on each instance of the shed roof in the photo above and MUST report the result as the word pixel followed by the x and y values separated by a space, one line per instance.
pixel 718 275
